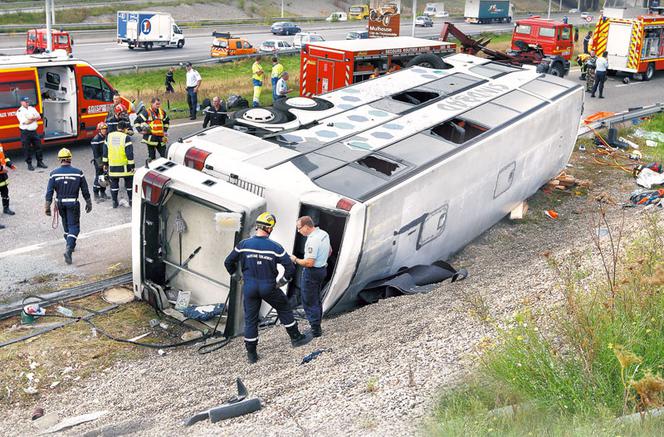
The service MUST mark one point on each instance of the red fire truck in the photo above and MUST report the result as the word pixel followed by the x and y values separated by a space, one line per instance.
pixel 554 37
pixel 635 43
pixel 36 41
pixel 71 96
pixel 329 65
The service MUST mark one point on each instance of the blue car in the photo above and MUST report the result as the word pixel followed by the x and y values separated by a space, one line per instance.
pixel 285 28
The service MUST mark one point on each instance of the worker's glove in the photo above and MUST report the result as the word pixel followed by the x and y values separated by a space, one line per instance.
pixel 283 281
pixel 88 205
pixel 164 139
pixel 13 167
pixel 47 208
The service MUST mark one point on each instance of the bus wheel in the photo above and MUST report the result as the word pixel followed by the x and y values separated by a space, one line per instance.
pixel 427 60
pixel 557 70
pixel 650 72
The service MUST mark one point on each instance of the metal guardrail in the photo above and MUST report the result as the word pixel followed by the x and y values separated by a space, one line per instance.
pixel 137 67
pixel 620 117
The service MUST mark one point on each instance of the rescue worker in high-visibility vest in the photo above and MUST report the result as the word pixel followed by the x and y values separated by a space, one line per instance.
pixel 118 159
pixel 97 145
pixel 257 76
pixel 5 163
pixel 66 182
pixel 258 257
pixel 154 124
pixel 277 70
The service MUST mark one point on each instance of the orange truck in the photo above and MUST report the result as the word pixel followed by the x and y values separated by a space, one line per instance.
pixel 70 94
pixel 36 41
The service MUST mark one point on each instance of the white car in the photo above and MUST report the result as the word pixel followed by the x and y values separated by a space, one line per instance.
pixel 275 46
pixel 573 11
pixel 337 16
pixel 303 38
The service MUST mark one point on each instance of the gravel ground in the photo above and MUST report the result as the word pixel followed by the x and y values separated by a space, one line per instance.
pixel 385 365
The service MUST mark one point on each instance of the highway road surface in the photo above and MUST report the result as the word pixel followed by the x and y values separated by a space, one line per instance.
pixel 101 49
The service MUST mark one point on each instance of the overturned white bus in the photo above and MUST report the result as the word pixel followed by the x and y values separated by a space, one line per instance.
pixel 402 170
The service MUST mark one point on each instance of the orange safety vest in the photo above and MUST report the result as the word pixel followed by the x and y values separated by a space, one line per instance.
pixel 156 122
pixel 4 162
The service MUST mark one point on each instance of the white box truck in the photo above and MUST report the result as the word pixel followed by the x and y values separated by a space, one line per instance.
pixel 435 10
pixel 148 29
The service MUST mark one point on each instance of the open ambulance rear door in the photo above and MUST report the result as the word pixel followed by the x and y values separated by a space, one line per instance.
pixel 14 84
pixel 184 224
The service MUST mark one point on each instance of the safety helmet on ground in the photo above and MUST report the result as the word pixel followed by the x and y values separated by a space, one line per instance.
pixel 103 181
pixel 64 153
pixel 266 220
pixel 101 125
pixel 120 108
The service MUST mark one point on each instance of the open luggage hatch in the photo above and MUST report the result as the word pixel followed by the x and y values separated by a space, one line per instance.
pixel 185 225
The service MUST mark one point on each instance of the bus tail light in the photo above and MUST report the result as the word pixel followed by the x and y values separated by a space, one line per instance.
pixel 195 158
pixel 154 185
pixel 345 204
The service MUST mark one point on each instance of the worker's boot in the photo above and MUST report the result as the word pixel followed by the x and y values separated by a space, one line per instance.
pixel 316 330
pixel 296 337
pixel 2 226
pixel 115 203
pixel 5 207
pixel 96 196
pixel 41 164
pixel 252 355
pixel 68 255
pixel 102 196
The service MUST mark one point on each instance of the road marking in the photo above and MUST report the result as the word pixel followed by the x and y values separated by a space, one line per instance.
pixel 630 84
pixel 38 246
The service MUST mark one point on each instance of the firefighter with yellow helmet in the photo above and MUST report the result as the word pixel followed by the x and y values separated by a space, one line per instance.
pixel 154 123
pixel 258 257
pixel 66 182
pixel 118 161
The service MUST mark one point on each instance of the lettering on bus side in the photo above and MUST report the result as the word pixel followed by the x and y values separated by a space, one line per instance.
pixel 468 99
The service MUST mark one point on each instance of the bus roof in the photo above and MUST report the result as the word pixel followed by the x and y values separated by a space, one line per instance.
pixel 363 45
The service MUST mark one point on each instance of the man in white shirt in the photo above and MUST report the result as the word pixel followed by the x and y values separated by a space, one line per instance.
pixel 27 123
pixel 601 67
pixel 193 83
pixel 282 86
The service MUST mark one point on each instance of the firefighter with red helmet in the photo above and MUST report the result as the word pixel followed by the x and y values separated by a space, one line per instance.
pixel 154 123
pixel 119 112
pixel 97 145
pixel 5 163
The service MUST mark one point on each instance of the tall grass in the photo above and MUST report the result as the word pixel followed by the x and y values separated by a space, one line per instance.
pixel 596 357
pixel 218 80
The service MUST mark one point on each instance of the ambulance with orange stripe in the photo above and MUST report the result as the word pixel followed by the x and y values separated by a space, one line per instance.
pixel 70 94
pixel 633 38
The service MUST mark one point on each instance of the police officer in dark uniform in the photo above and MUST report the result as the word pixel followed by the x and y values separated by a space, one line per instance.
pixel 97 144
pixel 259 257
pixel 67 181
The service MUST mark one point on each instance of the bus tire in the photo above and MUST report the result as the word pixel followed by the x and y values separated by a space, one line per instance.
pixel 321 104
pixel 427 60
pixel 650 72
pixel 278 116
pixel 557 69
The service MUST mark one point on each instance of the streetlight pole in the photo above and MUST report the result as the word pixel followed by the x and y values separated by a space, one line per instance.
pixel 49 38
pixel 53 12
pixel 412 32
pixel 548 13
pixel 282 8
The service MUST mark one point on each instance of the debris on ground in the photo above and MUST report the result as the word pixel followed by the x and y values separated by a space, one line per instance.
pixel 565 182
pixel 647 197
pixel 312 356
pixel 648 135
pixel 74 421
pixel 236 406
pixel 551 214
pixel 520 211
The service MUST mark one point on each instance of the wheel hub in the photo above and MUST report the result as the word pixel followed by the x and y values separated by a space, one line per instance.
pixel 259 115
pixel 301 102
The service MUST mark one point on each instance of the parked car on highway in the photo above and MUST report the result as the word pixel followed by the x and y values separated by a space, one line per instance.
pixel 586 16
pixel 573 11
pixel 285 28
pixel 337 16
pixel 423 21
pixel 358 34
pixel 275 46
pixel 304 38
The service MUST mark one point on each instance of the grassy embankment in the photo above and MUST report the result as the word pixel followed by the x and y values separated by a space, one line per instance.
pixel 218 80
pixel 577 368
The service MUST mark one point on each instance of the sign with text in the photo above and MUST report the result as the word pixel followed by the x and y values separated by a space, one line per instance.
pixel 384 19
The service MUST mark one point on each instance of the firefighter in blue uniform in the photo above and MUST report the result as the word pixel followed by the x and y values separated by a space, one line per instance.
pixel 67 181
pixel 97 145
pixel 259 257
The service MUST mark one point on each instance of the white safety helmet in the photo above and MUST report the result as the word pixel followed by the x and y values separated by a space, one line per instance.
pixel 103 181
